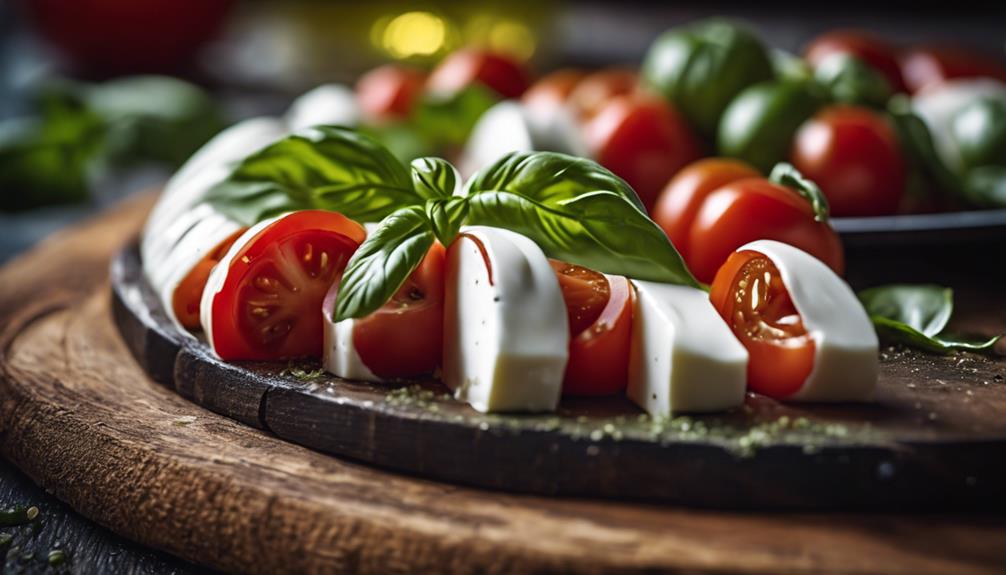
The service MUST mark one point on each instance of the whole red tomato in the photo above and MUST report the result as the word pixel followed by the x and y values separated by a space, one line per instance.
pixel 389 92
pixel 852 153
pixel 869 48
pixel 716 205
pixel 463 68
pixel 597 89
pixel 925 67
pixel 643 140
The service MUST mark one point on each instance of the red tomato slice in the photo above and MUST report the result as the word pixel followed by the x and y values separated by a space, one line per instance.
pixel 681 199
pixel 600 327
pixel 405 337
pixel 750 295
pixel 389 92
pixel 188 293
pixel 756 209
pixel 643 140
pixel 854 155
pixel 466 67
pixel 871 49
pixel 269 306
pixel 928 67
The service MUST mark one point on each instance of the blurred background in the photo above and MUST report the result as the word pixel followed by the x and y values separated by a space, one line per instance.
pixel 79 130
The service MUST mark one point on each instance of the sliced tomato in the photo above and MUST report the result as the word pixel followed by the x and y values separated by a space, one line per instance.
pixel 405 337
pixel 269 305
pixel 185 300
pixel 389 92
pixel 599 309
pixel 643 140
pixel 463 68
pixel 871 49
pixel 750 295
pixel 685 193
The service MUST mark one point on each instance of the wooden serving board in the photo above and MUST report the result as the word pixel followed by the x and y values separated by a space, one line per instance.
pixel 82 418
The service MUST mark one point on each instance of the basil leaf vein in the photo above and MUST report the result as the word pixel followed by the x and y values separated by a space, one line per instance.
pixel 434 178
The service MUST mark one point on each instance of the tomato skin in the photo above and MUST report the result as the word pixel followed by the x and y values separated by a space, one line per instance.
pixel 233 332
pixel 405 337
pixel 189 292
pixel 552 91
pixel 929 66
pixel 466 67
pixel 681 199
pixel 389 92
pixel 643 140
pixel 754 209
pixel 853 154
pixel 778 364
pixel 867 47
pixel 594 91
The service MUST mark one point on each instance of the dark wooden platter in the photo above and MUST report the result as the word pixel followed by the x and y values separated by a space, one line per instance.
pixel 80 417
pixel 936 435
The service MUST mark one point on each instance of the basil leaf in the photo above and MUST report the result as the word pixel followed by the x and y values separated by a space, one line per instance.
pixel 917 143
pixel 549 178
pixel 916 315
pixel 446 121
pixel 383 262
pixel 446 215
pixel 601 230
pixel 924 308
pixel 785 174
pixel 434 178
pixel 323 167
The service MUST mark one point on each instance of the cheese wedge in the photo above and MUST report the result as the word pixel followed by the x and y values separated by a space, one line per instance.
pixel 506 334
pixel 683 357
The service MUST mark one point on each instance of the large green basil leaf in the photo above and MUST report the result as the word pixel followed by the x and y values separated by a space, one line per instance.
pixel 703 66
pixel 786 175
pixel 850 80
pixel 434 178
pixel 600 230
pixel 759 124
pixel 549 178
pixel 323 167
pixel 383 262
pixel 446 216
pixel 916 315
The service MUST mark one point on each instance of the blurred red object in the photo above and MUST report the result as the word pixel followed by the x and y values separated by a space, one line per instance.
pixel 928 66
pixel 128 36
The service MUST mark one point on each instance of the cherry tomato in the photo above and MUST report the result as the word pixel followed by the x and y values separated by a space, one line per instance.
pixel 269 306
pixel 389 92
pixel 552 91
pixel 592 93
pixel 753 209
pixel 863 45
pixel 185 300
pixel 926 67
pixel 685 193
pixel 599 309
pixel 854 155
pixel 466 67
pixel 643 140
pixel 750 295
pixel 405 337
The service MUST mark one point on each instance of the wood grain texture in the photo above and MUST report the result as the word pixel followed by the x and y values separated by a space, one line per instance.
pixel 81 418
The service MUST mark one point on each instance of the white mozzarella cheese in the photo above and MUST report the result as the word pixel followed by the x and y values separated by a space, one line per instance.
pixel 845 360
pixel 938 106
pixel 506 333
pixel 683 357
pixel 511 127
pixel 328 104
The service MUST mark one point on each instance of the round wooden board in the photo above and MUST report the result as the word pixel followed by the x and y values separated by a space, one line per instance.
pixel 81 417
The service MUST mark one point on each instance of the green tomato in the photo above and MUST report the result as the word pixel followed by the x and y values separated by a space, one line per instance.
pixel 979 131
pixel 759 124
pixel 701 67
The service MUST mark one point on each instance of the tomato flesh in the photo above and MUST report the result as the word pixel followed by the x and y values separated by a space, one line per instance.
pixel 185 300
pixel 269 305
pixel 750 295
pixel 405 337
pixel 599 309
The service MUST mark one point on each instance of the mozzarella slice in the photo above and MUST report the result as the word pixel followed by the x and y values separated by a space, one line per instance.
pixel 328 104
pixel 845 360
pixel 938 106
pixel 511 127
pixel 506 334
pixel 683 357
